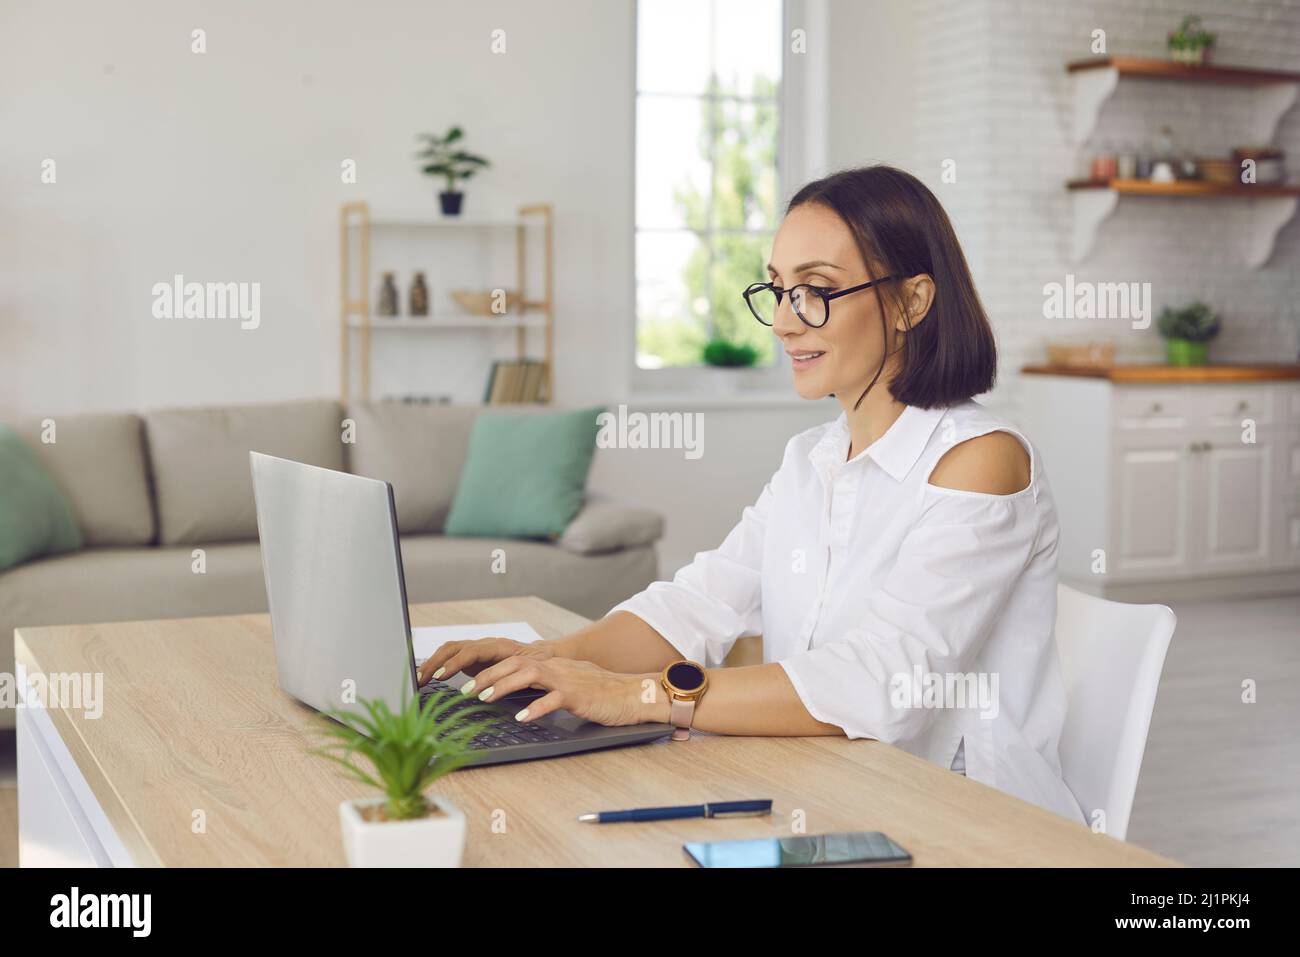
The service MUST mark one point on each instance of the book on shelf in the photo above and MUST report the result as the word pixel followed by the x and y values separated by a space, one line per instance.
pixel 513 381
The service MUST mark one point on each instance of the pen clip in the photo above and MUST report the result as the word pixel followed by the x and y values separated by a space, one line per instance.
pixel 763 807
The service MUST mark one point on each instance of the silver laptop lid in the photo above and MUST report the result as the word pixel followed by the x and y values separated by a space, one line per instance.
pixel 334 583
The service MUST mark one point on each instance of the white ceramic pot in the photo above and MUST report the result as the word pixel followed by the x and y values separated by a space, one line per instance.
pixel 723 380
pixel 434 841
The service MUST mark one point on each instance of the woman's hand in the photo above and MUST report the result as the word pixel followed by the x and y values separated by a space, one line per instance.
pixel 585 689
pixel 472 657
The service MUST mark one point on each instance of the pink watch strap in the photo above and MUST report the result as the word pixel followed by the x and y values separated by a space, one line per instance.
pixel 681 713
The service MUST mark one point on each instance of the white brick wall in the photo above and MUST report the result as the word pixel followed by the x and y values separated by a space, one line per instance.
pixel 993 94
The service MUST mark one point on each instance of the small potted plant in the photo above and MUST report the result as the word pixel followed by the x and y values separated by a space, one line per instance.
pixel 443 156
pixel 407 751
pixel 1190 44
pixel 725 356
pixel 1188 332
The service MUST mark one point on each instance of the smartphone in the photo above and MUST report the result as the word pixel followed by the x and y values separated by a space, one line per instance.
pixel 858 847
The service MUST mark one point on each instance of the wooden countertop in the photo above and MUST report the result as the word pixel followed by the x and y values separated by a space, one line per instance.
pixel 1161 374
pixel 193 719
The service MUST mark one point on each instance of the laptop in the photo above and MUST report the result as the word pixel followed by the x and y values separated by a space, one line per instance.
pixel 335 586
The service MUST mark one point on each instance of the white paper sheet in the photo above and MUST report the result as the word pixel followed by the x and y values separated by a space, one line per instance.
pixel 425 641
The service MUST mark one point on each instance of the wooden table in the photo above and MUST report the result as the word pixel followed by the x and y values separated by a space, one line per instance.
pixel 199 759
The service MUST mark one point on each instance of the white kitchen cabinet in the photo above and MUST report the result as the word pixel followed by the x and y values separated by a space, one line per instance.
pixel 1171 490
pixel 1153 498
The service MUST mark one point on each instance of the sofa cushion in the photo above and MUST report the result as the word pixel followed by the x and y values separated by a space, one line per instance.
pixel 419 449
pixel 35 519
pixel 525 474
pixel 200 462
pixel 605 526
pixel 98 462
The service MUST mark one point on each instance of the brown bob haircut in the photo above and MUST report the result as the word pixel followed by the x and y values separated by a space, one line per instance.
pixel 902 231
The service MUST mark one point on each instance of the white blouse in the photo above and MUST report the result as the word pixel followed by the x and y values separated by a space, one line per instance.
pixel 913 614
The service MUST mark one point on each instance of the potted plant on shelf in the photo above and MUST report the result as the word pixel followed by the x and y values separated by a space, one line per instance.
pixel 407 751
pixel 443 156
pixel 1190 44
pixel 1188 332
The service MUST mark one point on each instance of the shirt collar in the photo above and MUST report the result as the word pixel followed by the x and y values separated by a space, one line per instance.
pixel 896 451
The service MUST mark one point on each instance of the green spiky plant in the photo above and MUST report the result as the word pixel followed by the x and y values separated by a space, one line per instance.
pixel 1188 332
pixel 443 156
pixel 408 750
pixel 1190 43
pixel 1195 323
pixel 731 355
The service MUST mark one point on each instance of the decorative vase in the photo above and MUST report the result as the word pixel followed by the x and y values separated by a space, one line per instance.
pixel 450 202
pixel 437 840
pixel 387 305
pixel 1185 352
pixel 419 296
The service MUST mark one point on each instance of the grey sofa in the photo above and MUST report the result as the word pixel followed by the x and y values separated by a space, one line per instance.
pixel 149 490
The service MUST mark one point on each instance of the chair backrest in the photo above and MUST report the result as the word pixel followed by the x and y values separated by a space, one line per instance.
pixel 1111 658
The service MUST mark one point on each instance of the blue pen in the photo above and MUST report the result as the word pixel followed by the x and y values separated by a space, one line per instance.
pixel 717 809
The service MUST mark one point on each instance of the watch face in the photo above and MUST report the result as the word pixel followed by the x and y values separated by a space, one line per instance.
pixel 685 676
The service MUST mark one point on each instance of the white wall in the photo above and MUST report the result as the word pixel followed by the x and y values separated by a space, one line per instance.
pixel 226 166
pixel 872 82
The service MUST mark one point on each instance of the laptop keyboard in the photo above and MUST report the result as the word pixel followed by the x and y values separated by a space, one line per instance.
pixel 503 732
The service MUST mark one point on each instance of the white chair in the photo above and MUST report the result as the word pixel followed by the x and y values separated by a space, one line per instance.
pixel 1111 657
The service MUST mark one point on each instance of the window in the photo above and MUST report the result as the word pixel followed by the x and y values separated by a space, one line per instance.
pixel 708 129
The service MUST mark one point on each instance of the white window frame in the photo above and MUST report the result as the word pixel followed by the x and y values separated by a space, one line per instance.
pixel 801 156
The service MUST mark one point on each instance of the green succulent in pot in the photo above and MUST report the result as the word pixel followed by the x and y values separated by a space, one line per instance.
pixel 406 750
pixel 401 753
pixel 1188 332
pixel 1190 43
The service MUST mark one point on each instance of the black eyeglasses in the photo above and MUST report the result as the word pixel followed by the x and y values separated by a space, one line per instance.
pixel 812 304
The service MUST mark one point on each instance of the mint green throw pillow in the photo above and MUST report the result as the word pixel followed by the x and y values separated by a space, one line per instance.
pixel 525 475
pixel 35 519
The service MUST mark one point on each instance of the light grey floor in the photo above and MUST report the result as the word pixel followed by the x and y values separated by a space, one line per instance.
pixel 1221 779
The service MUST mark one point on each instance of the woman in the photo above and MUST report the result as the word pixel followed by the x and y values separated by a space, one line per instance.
pixel 908 546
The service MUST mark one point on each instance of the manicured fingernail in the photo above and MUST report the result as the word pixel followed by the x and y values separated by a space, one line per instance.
pixel 467 687
pixel 487 693
pixel 522 715
pixel 439 673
